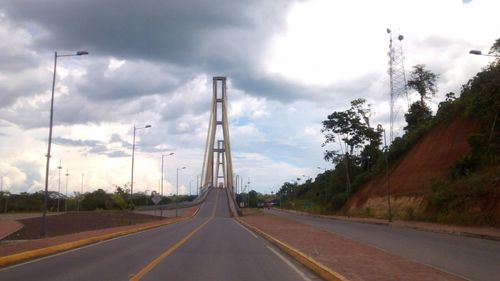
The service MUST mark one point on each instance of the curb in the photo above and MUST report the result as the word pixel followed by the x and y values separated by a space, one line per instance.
pixel 304 259
pixel 32 254
pixel 402 224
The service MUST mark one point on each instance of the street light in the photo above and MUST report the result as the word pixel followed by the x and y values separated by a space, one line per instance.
pixel 43 228
pixel 81 195
pixel 479 53
pixel 132 173
pixel 177 191
pixel 66 201
pixel 163 155
pixel 59 185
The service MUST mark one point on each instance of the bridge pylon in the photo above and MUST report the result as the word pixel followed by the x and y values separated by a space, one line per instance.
pixel 220 173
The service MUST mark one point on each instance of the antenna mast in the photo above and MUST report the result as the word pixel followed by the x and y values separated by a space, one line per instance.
pixel 397 76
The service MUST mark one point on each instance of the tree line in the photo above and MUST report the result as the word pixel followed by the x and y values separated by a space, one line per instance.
pixel 96 200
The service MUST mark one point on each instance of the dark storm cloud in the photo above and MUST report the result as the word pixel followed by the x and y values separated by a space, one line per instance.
pixel 214 37
pixel 91 146
pixel 72 142
pixel 118 154
pixel 131 80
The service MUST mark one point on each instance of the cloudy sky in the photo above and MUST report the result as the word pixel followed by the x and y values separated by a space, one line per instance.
pixel 288 63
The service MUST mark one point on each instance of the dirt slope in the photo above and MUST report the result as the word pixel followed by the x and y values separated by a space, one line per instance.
pixel 411 177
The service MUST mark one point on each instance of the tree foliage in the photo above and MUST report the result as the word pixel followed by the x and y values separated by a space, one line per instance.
pixel 350 128
pixel 495 48
pixel 419 113
pixel 423 81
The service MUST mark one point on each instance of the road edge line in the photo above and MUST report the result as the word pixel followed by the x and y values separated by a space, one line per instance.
pixel 42 252
pixel 302 258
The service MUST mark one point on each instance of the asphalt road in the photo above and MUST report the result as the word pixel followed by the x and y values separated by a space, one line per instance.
pixel 211 246
pixel 471 258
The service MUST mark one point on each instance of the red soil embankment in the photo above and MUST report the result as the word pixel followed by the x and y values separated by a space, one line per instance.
pixel 430 158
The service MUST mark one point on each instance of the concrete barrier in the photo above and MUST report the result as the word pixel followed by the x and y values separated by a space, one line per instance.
pixel 233 207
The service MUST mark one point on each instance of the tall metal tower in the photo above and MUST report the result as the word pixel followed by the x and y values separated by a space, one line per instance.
pixel 397 76
pixel 218 119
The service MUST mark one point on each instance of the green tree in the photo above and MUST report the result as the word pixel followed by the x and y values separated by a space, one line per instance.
pixel 351 127
pixel 423 81
pixel 495 48
pixel 419 113
pixel 253 200
pixel 96 200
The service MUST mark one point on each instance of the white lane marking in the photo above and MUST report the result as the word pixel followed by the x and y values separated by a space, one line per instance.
pixel 289 264
pixel 249 231
pixel 81 248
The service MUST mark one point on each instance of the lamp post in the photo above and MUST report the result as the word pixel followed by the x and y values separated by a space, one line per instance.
pixel 132 173
pixel 197 185
pixel 248 194
pixel 479 53
pixel 237 183
pixel 389 211
pixel 81 194
pixel 43 228
pixel 163 155
pixel 59 185
pixel 177 191
pixel 1 191
pixel 66 200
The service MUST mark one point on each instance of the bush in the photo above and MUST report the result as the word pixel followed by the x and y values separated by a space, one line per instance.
pixel 463 167
pixel 338 201
pixel 442 194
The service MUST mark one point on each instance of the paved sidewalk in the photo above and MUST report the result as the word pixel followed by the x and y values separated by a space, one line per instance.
pixel 351 259
pixel 491 233
pixel 19 247
pixel 7 227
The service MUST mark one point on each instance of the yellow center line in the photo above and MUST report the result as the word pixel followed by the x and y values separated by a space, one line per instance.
pixel 172 249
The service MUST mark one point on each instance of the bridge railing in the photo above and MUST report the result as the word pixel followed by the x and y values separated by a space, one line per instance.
pixel 233 207
pixel 185 204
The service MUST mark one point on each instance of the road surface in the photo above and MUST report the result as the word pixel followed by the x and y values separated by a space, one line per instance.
pixel 471 258
pixel 211 246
